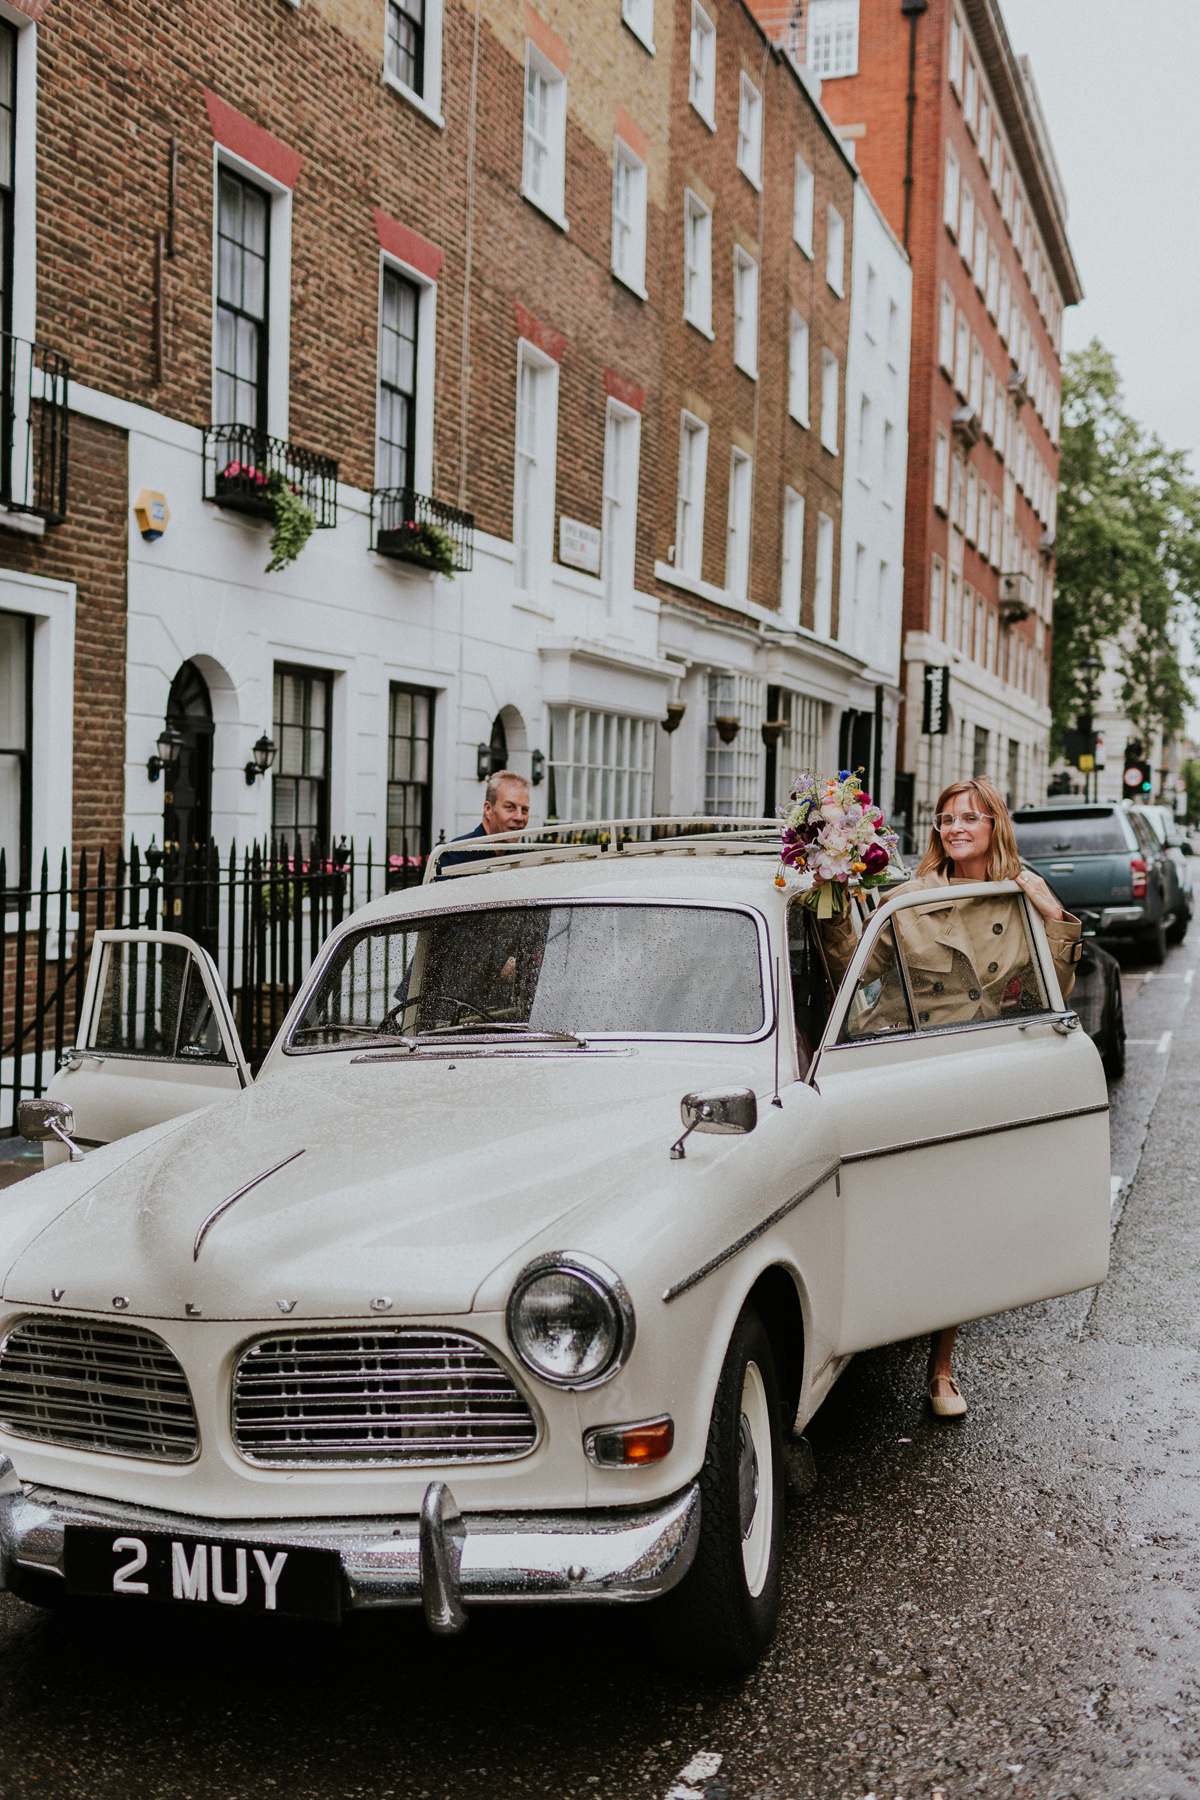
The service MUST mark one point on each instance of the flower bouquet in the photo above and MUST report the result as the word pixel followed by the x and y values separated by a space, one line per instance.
pixel 832 831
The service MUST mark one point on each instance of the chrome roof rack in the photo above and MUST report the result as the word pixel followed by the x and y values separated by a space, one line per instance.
pixel 585 840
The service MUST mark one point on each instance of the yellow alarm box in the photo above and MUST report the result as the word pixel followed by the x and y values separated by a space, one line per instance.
pixel 152 514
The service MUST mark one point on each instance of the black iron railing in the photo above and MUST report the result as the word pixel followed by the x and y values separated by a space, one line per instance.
pixel 262 913
pixel 34 429
pixel 415 529
pixel 243 467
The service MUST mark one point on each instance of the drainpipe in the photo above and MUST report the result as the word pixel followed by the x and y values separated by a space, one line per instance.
pixel 913 10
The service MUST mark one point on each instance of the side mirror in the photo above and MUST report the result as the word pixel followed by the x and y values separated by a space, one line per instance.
pixel 730 1113
pixel 40 1120
pixel 1185 848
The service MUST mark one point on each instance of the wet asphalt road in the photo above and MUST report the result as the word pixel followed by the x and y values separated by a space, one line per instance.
pixel 1003 1606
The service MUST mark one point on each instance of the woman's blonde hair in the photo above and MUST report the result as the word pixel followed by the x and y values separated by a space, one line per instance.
pixel 1004 860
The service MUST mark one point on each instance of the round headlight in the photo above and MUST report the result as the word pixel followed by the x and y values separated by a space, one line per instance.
pixel 570 1321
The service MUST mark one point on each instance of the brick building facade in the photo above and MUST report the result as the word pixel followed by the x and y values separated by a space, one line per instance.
pixel 979 203
pixel 442 248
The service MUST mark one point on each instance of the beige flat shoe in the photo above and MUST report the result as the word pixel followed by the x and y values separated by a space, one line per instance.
pixel 945 1397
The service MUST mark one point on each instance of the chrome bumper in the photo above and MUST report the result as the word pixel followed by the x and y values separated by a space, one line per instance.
pixel 440 1561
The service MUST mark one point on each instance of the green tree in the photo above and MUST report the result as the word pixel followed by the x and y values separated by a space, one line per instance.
pixel 1128 553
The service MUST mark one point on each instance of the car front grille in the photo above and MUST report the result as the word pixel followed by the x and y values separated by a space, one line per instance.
pixel 376 1397
pixel 112 1388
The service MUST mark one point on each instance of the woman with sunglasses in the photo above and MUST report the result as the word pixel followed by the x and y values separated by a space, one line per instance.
pixel 972 840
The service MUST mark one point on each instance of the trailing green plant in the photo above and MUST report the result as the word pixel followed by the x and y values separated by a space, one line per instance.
pixel 436 547
pixel 294 523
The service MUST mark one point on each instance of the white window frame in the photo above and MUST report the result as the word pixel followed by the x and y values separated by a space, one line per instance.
pixel 803 196
pixel 545 190
pixel 988 416
pixel 429 102
pixel 702 65
pixel 799 374
pixel 946 330
pixel 957 37
pixel 830 383
pixel 979 255
pixel 749 131
pixel 689 501
pixel 791 579
pixel 629 232
pixel 622 455
pixel 426 374
pixel 971 521
pixel 966 222
pixel 941 471
pixel 886 460
pixel 937 594
pixel 864 440
pixel 279 284
pixel 835 251
pixel 828 57
pixel 962 355
pixel 975 391
pixel 697 238
pixel 535 472
pixel 823 585
pixel 950 194
pixel 614 776
pixel 639 16
pixel 745 311
pixel 737 529
pixel 992 290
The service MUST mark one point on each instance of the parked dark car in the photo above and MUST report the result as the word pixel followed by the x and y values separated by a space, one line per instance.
pixel 1096 997
pixel 1105 858
pixel 1165 826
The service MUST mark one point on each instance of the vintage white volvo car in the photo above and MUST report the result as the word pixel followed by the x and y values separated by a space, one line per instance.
pixel 447 1307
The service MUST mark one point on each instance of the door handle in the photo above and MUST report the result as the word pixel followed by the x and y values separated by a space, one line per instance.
pixel 1063 1022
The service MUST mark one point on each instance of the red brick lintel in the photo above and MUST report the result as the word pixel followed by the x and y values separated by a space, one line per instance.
pixel 407 246
pixel 234 131
pixel 33 9
pixel 547 41
pixel 550 343
pixel 618 388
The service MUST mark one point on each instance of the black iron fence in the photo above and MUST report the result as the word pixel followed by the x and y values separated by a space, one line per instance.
pixel 261 912
pixel 243 469
pixel 34 429
pixel 416 529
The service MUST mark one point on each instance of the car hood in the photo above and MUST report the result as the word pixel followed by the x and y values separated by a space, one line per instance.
pixel 416 1180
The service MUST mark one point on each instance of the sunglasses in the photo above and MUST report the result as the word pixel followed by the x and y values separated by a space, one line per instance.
pixel 943 821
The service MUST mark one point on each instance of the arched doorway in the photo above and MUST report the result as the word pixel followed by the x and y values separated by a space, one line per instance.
pixel 187 803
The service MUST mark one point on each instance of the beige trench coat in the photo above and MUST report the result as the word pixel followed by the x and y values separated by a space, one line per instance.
pixel 961 964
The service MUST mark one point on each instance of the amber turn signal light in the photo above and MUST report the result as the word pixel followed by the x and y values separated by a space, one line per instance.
pixel 629 1446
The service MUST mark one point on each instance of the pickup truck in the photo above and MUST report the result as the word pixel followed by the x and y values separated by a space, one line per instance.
pixel 1104 859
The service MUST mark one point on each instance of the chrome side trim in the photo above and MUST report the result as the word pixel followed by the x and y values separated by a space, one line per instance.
pixel 781 1212
pixel 207 1224
pixel 614 1554
pixel 958 1137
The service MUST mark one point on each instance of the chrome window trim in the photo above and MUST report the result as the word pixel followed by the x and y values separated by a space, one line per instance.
pixel 356 1327
pixel 399 921
pixel 928 1031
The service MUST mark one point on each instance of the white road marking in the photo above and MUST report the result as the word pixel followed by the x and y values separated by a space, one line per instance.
pixel 702 1766
pixel 1115 1185
pixel 1147 1043
pixel 1190 977
pixel 1164 1043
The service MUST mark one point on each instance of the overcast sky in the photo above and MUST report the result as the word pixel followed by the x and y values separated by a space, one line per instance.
pixel 1118 87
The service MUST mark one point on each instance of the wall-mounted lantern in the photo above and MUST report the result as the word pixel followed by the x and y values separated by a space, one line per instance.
pixel 169 746
pixel 537 768
pixel 263 755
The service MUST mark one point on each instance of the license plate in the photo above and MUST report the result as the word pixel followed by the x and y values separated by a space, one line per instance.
pixel 191 1571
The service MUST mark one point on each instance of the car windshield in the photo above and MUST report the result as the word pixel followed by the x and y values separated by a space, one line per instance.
pixel 624 970
pixel 1070 833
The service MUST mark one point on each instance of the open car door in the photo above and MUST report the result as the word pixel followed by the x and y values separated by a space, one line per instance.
pixel 973 1114
pixel 157 1038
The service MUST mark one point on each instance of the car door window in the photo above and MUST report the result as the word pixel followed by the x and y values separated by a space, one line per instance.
pixel 951 963
pixel 812 990
pixel 152 1001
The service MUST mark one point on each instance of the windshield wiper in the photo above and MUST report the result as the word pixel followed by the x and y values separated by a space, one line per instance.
pixel 499 1028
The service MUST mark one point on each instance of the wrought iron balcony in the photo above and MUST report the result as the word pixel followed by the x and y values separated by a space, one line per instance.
pixel 415 529
pixel 242 467
pixel 34 429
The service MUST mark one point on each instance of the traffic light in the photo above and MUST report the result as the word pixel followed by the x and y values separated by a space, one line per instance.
pixel 1137 781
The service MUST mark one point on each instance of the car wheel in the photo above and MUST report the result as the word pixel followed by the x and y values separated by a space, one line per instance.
pixel 1114 1050
pixel 1153 945
pixel 722 1614
pixel 1179 929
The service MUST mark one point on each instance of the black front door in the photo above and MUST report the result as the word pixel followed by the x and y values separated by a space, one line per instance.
pixel 190 902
